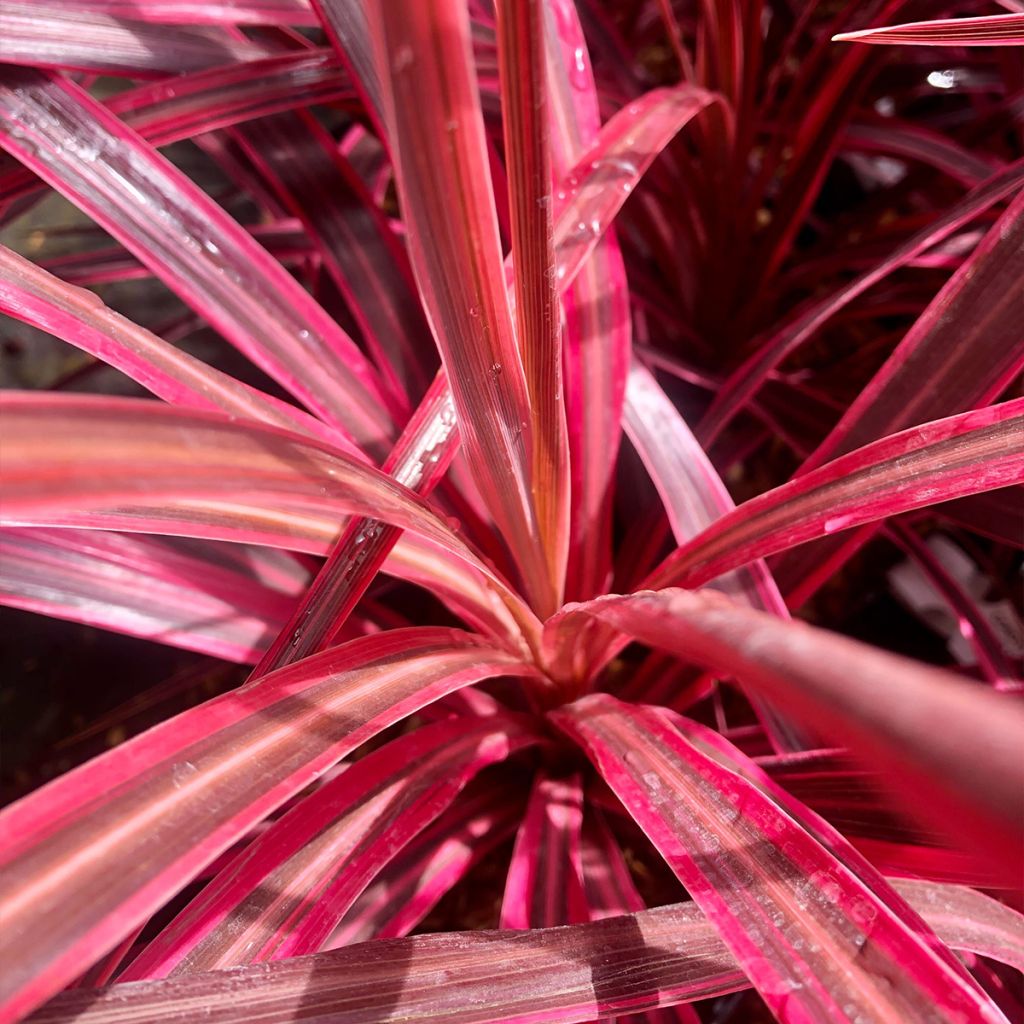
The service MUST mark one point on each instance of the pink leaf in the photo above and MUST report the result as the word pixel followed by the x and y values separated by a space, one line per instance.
pixel 537 325
pixel 971 776
pixel 965 454
pixel 47 34
pixel 141 586
pixel 544 886
pixel 283 895
pixel 95 852
pixel 994 30
pixel 812 938
pixel 203 255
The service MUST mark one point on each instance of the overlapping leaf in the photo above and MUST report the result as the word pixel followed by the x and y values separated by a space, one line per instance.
pixel 76 145
pixel 93 853
pixel 811 937
pixel 971 776
pixel 284 894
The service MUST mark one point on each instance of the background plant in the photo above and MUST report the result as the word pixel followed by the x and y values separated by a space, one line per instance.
pixel 511 669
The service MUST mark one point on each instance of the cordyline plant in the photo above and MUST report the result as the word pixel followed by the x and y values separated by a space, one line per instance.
pixel 587 700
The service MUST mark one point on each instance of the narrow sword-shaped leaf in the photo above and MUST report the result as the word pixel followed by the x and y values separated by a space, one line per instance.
pixel 964 347
pixel 751 375
pixel 170 110
pixel 691 490
pixel 197 12
pixel 555 976
pixel 611 167
pixel 993 30
pixel 141 586
pixel 809 935
pixel 537 320
pixel 81 318
pixel 965 782
pixel 974 626
pixel 435 132
pixel 598 328
pixel 968 919
pixel 90 855
pixel 345 22
pixel 46 34
pixel 611 892
pixel 429 441
pixel 559 977
pixel 213 264
pixel 431 865
pixel 301 162
pixel 975 451
pixel 544 885
pixel 283 895
pixel 79 454
pixel 694 496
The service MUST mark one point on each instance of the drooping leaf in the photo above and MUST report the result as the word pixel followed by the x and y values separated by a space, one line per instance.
pixel 95 852
pixel 965 780
pixel 213 264
pixel 811 937
pixel 141 586
pixel 167 111
pixel 283 895
pixel 82 319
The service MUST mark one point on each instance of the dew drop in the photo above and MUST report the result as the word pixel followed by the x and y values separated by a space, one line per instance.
pixel 837 523
pixel 403 59
pixel 578 77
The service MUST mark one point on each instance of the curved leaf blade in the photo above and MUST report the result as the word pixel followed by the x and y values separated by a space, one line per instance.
pixel 811 937
pixel 975 451
pixel 93 853
pixel 972 776
pixel 214 265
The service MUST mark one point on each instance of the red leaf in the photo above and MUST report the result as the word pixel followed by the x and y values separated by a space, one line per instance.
pixel 971 776
pixel 95 852
pixel 811 937
pixel 283 895
pixel 994 30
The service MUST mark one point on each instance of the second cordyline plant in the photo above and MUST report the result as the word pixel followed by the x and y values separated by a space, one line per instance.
pixel 569 709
